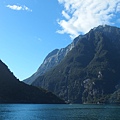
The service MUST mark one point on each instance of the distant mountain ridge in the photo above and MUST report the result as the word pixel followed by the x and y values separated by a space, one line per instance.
pixel 14 91
pixel 89 73
pixel 51 60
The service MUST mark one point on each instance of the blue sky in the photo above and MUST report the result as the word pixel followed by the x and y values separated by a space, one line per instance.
pixel 29 30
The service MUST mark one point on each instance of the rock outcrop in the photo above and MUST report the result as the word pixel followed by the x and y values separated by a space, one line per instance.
pixel 52 60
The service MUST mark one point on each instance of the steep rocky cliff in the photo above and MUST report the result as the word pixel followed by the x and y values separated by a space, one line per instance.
pixel 52 59
pixel 89 73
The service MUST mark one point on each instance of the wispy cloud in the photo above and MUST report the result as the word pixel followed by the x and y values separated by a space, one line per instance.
pixel 82 15
pixel 38 38
pixel 65 15
pixel 19 7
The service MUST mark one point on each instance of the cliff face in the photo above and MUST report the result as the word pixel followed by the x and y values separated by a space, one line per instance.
pixel 52 60
pixel 14 91
pixel 89 73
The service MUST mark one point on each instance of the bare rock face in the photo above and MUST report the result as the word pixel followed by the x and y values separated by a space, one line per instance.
pixel 52 60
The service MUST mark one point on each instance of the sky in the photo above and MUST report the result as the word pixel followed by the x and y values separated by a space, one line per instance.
pixel 31 29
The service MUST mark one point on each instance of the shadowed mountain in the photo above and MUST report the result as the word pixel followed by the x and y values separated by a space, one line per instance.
pixel 14 91
pixel 89 73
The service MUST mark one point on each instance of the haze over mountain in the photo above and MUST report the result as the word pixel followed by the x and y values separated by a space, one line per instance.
pixel 14 91
pixel 89 72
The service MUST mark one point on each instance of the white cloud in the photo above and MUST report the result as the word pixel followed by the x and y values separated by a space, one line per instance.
pixel 82 15
pixel 65 15
pixel 19 7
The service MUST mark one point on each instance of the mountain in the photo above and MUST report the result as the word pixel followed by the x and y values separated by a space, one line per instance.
pixel 14 91
pixel 52 60
pixel 89 73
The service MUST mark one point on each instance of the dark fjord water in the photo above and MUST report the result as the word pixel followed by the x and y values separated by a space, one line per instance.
pixel 58 112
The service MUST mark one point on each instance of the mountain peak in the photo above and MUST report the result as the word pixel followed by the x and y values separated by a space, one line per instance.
pixel 89 73
pixel 52 53
pixel 105 28
pixel 101 26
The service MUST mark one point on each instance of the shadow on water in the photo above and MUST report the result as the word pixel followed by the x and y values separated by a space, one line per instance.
pixel 59 112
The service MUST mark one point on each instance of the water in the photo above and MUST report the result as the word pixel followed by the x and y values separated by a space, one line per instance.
pixel 58 112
